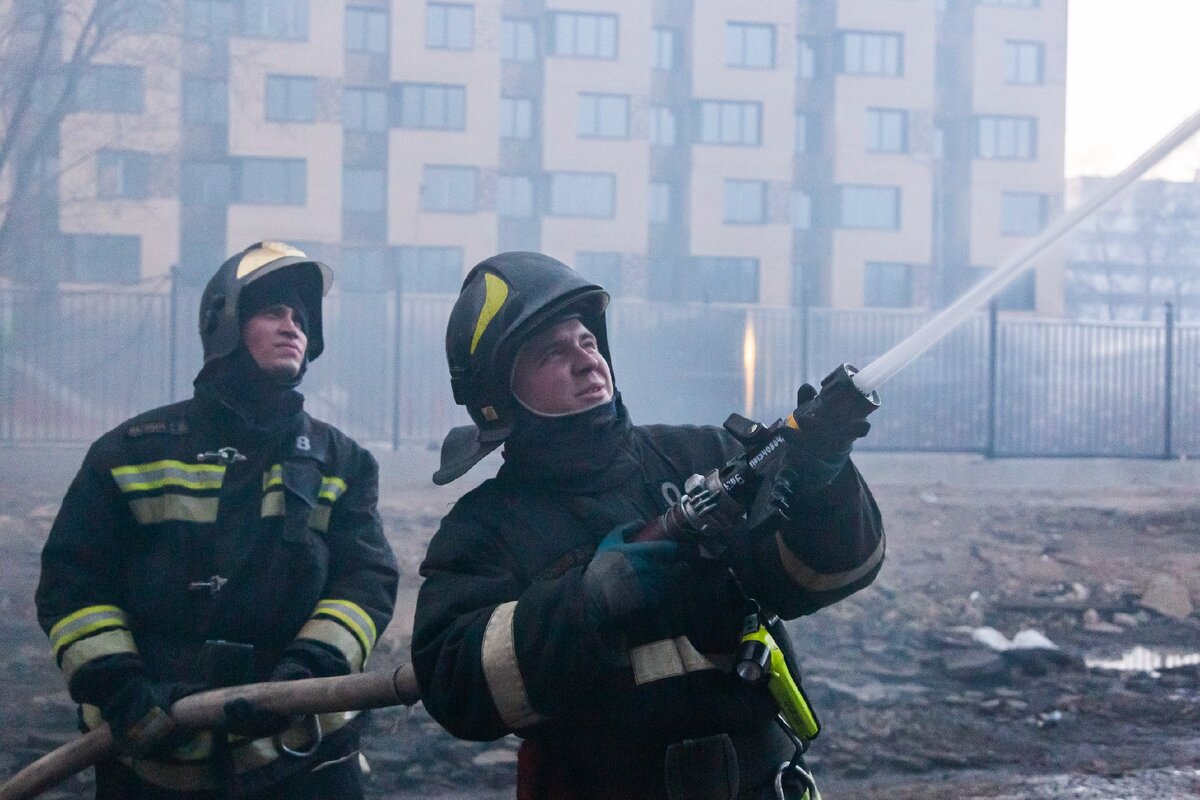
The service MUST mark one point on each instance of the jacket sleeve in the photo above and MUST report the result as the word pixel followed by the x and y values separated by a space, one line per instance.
pixel 79 597
pixel 831 547
pixel 494 654
pixel 360 594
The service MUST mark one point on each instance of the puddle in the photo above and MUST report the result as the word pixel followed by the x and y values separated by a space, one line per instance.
pixel 1145 659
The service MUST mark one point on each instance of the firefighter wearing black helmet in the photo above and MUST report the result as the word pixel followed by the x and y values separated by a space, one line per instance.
pixel 611 658
pixel 230 538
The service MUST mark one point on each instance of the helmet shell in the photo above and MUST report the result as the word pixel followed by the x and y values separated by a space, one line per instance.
pixel 220 327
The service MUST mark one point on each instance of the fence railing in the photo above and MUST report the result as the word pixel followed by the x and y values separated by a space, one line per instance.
pixel 75 363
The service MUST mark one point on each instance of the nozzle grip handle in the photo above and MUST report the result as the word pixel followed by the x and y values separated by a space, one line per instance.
pixel 839 400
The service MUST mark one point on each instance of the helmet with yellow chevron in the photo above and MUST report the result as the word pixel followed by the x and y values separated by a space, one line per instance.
pixel 289 270
pixel 504 301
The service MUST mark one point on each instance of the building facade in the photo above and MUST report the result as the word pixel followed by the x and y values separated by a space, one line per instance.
pixel 842 153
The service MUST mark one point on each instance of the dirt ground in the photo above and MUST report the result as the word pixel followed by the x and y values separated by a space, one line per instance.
pixel 1098 557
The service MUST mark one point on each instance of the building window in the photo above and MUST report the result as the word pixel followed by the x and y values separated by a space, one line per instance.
pixel 1006 137
pixel 207 19
pixel 275 19
pixel 364 189
pixel 580 35
pixel 658 203
pixel 887 285
pixel 429 105
pixel 729 122
pixel 1020 295
pixel 206 183
pixel 603 116
pixel 205 101
pixel 516 117
pixel 122 174
pixel 602 268
pixel 801 210
pixel 514 197
pixel 1023 62
pixel 272 181
pixel 363 269
pixel 802 133
pixel 662 131
pixel 871 207
pixel 291 99
pixel 106 259
pixel 866 53
pixel 663 44
pixel 451 189
pixel 1023 213
pixel 1012 3
pixel 433 270
pixel 364 110
pixel 582 194
pixel 745 202
pixel 749 45
pixel 806 58
pixel 518 40
pixel 887 130
pixel 722 279
pixel 110 87
pixel 366 30
pixel 141 17
pixel 450 26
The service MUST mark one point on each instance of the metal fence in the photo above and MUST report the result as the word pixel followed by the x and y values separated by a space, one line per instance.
pixel 74 364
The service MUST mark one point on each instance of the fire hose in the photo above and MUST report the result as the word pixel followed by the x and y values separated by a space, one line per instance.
pixel 206 710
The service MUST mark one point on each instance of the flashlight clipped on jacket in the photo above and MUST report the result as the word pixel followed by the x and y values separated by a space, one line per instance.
pixel 760 659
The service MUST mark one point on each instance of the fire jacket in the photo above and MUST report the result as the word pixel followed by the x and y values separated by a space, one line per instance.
pixel 502 643
pixel 184 525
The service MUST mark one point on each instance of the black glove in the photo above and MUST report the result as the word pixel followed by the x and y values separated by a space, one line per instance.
pixel 819 445
pixel 625 577
pixel 138 714
pixel 245 718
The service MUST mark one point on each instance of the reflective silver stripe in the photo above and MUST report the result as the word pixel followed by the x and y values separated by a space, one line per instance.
pixel 503 673
pixel 353 616
pixel 272 504
pixel 331 489
pixel 85 621
pixel 318 518
pixel 82 651
pixel 157 474
pixel 666 658
pixel 273 477
pixel 808 578
pixel 332 633
pixel 180 507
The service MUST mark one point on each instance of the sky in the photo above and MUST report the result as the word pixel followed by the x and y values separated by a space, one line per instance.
pixel 1133 74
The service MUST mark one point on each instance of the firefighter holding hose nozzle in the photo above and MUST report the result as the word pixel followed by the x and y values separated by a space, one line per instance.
pixel 635 658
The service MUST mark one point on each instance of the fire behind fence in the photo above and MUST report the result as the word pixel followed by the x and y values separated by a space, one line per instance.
pixel 73 364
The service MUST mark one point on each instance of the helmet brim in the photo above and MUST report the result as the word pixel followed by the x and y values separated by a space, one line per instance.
pixel 461 450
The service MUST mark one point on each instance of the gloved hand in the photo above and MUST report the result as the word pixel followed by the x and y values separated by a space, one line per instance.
pixel 246 718
pixel 625 577
pixel 819 445
pixel 138 714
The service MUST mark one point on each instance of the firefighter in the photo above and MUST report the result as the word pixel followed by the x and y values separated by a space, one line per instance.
pixel 227 539
pixel 613 659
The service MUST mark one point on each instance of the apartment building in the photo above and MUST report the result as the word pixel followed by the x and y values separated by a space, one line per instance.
pixel 847 153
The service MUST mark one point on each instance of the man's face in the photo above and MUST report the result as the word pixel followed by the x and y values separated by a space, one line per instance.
pixel 560 371
pixel 275 341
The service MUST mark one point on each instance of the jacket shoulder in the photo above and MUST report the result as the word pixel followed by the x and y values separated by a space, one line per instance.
pixel 164 421
pixel 705 445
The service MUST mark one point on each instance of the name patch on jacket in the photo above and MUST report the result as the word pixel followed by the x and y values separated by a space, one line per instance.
pixel 176 427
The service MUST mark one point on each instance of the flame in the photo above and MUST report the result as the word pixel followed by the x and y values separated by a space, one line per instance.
pixel 749 361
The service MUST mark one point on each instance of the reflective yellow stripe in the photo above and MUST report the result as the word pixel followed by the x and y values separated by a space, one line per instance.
pixel 331 489
pixel 808 578
pixel 273 477
pixel 352 615
pixel 335 635
pixel 318 518
pixel 86 620
pixel 159 474
pixel 181 507
pixel 496 292
pixel 666 658
pixel 272 504
pixel 107 643
pixel 503 672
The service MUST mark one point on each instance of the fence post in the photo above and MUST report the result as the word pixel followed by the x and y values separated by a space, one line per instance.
pixel 397 287
pixel 993 377
pixel 1168 379
pixel 172 355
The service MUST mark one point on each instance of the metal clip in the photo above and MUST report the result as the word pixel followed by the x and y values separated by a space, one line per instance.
pixel 313 724
pixel 226 456
pixel 213 585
